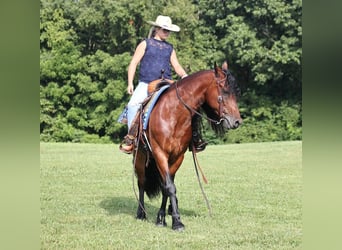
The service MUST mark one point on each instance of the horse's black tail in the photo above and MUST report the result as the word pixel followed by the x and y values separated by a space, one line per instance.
pixel 153 180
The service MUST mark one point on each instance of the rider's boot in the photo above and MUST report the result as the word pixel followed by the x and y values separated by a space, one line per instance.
pixel 127 145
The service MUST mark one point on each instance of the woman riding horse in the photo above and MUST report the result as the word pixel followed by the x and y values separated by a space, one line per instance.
pixel 154 55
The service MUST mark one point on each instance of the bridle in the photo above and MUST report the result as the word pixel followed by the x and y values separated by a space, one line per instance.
pixel 219 100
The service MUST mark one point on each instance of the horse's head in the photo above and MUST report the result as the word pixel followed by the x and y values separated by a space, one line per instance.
pixel 221 100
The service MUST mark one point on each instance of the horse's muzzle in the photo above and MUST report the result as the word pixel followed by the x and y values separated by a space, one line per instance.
pixel 230 122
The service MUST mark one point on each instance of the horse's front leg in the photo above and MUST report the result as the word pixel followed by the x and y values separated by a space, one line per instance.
pixel 171 191
pixel 162 211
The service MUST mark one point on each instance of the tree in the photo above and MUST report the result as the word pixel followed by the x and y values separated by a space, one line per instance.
pixel 86 47
pixel 262 38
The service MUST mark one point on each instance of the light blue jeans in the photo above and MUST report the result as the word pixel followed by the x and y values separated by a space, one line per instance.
pixel 139 95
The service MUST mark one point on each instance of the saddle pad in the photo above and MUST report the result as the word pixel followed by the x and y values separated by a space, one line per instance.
pixel 149 106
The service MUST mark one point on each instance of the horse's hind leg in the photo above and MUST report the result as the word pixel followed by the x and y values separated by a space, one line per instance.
pixel 171 190
pixel 140 171
pixel 161 214
pixel 141 213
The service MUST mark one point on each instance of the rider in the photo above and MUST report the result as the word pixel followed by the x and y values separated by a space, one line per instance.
pixel 154 55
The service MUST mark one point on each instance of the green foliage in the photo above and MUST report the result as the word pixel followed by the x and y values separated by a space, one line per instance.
pixel 266 121
pixel 263 37
pixel 86 46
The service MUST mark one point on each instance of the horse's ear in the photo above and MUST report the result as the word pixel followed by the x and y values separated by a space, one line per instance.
pixel 225 66
pixel 216 69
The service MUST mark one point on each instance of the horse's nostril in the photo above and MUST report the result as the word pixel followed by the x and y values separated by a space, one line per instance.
pixel 237 123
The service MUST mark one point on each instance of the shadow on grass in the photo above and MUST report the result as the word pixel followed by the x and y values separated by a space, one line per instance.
pixel 129 205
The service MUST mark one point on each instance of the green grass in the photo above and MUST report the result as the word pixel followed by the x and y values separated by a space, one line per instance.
pixel 255 191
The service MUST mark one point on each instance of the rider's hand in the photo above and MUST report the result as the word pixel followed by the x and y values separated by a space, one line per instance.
pixel 130 89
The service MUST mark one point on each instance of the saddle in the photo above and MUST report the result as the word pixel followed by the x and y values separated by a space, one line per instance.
pixel 157 84
pixel 140 122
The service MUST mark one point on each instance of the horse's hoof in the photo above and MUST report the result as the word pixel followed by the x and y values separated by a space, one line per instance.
pixel 161 221
pixel 161 224
pixel 141 217
pixel 179 226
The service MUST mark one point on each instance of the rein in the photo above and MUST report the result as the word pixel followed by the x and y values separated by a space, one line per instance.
pixel 197 166
pixel 219 100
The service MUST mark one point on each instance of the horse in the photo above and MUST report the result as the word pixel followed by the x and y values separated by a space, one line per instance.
pixel 169 133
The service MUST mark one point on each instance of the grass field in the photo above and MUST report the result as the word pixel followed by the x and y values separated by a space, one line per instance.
pixel 255 191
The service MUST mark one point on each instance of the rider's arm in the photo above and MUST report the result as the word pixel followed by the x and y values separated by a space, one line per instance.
pixel 138 55
pixel 176 65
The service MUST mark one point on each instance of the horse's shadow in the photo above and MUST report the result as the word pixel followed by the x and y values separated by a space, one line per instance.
pixel 128 205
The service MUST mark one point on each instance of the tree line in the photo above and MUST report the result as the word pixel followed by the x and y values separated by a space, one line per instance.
pixel 86 46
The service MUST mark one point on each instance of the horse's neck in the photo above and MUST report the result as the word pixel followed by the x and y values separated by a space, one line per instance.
pixel 192 91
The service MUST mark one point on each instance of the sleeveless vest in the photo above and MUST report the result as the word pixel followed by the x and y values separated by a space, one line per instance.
pixel 156 58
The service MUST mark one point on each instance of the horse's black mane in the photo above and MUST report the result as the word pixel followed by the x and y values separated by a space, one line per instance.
pixel 231 81
pixel 234 87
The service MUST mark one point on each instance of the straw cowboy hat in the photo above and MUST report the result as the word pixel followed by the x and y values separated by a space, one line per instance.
pixel 165 23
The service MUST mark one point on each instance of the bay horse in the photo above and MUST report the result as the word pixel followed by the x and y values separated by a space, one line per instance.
pixel 169 133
